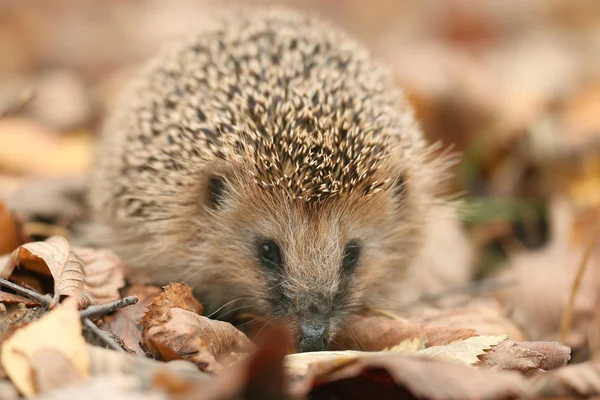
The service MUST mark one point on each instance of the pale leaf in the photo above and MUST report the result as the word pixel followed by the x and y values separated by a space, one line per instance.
pixel 464 351
pixel 59 331
pixel 52 257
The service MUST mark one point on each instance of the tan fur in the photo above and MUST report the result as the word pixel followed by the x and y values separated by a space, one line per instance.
pixel 313 143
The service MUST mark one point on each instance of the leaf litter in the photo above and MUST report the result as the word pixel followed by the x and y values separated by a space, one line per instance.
pixel 523 109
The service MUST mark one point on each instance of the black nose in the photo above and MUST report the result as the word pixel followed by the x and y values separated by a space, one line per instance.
pixel 313 338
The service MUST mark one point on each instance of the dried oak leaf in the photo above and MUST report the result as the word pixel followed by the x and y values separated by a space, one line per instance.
pixel 526 357
pixel 173 329
pixel 403 376
pixel 261 375
pixel 376 333
pixel 124 322
pixel 58 331
pixel 104 274
pixel 464 351
pixel 51 258
pixel 186 335
pixel 174 295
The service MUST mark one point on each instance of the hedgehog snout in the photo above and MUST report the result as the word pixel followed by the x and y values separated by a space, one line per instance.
pixel 313 315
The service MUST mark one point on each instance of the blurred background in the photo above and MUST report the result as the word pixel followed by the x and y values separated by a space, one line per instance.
pixel 514 85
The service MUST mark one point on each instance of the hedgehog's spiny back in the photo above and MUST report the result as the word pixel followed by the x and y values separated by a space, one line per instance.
pixel 296 96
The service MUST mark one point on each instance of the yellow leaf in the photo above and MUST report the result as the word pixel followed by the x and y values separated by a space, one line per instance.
pixel 58 331
pixel 410 345
pixel 465 351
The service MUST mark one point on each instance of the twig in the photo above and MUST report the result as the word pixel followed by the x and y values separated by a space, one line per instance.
pixel 44 300
pixel 567 317
pixel 105 337
pixel 103 309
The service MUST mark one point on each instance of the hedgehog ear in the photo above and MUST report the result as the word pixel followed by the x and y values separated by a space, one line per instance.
pixel 215 190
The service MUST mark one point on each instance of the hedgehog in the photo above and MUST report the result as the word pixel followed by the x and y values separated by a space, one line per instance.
pixel 270 163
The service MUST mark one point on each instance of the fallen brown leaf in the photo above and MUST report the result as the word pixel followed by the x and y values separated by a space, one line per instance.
pixel 104 274
pixel 404 376
pixel 183 334
pixel 375 333
pixel 52 258
pixel 526 357
pixel 573 381
pixel 9 298
pixel 59 331
pixel 484 317
pixel 124 322
pixel 544 277
pixel 51 369
pixel 10 238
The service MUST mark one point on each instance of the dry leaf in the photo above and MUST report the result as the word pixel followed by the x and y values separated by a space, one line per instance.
pixel 60 331
pixel 46 378
pixel 466 351
pixel 28 148
pixel 484 317
pixel 392 375
pixel 544 281
pixel 365 333
pixel 9 298
pixel 573 381
pixel 10 238
pixel 52 257
pixel 526 357
pixel 183 334
pixel 175 295
pixel 124 323
pixel 104 274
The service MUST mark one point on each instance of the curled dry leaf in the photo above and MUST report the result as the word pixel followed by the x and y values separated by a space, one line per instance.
pixel 58 331
pixel 175 295
pixel 104 274
pixel 183 334
pixel 526 357
pixel 172 329
pixel 52 258
pixel 393 375
pixel 366 333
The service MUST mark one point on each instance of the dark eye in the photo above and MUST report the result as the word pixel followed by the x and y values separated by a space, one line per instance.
pixel 351 255
pixel 269 254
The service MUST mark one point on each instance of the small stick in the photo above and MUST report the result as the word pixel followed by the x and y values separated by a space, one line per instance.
pixel 567 317
pixel 102 335
pixel 103 309
pixel 44 300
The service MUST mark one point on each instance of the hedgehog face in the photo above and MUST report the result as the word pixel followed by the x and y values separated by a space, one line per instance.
pixel 308 264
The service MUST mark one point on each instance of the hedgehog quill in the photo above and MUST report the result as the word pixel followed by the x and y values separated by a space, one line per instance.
pixel 270 163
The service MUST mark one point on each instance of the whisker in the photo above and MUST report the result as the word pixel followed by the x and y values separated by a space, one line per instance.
pixel 225 305
pixel 234 310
